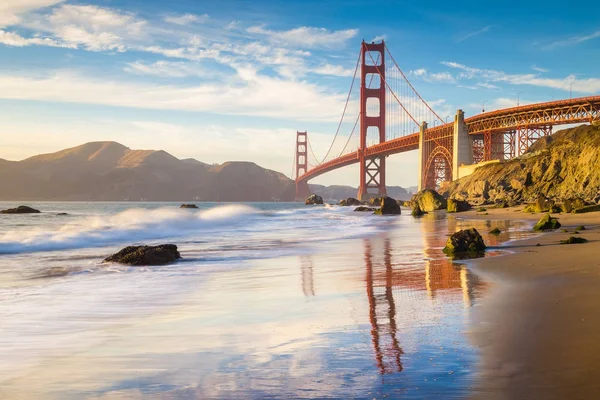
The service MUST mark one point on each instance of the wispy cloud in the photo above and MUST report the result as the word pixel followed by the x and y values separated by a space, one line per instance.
pixel 379 38
pixel 186 19
pixel 574 40
pixel 306 36
pixel 247 94
pixel 589 85
pixel 437 77
pixel 168 69
pixel 539 69
pixel 334 70
pixel 474 33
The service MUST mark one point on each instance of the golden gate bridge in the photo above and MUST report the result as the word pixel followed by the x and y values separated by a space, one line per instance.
pixel 391 117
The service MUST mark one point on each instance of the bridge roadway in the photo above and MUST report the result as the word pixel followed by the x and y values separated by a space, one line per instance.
pixel 579 110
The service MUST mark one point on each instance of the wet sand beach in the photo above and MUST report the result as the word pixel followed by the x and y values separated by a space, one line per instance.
pixel 538 329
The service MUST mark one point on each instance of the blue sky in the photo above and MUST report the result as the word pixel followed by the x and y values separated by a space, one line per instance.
pixel 233 80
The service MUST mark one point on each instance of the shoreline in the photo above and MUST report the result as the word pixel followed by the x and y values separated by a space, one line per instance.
pixel 537 329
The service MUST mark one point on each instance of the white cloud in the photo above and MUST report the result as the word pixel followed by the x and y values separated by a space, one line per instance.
pixel 186 19
pixel 474 33
pixel 574 40
pixel 589 85
pixel 14 40
pixel 168 69
pixel 379 38
pixel 437 77
pixel 334 70
pixel 306 36
pixel 11 11
pixel 248 94
pixel 89 27
pixel 487 85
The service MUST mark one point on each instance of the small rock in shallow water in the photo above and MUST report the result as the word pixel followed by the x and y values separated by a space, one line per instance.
pixel 20 210
pixel 364 208
pixel 314 199
pixel 188 206
pixel 146 255
pixel 495 231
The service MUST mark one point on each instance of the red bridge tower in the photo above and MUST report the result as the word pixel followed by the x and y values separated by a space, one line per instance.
pixel 302 190
pixel 372 169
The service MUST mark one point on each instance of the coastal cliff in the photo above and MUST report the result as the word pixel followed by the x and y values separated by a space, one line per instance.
pixel 561 166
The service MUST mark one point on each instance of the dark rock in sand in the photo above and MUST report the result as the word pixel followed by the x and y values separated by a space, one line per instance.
pixel 547 222
pixel 574 240
pixel 146 255
pixel 364 208
pixel 314 199
pixel 188 206
pixel 465 241
pixel 350 201
pixel 389 206
pixel 20 210
pixel 62 214
pixel 455 206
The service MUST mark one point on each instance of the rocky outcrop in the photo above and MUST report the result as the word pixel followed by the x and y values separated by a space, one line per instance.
pixel 314 199
pixel 365 208
pixel 429 200
pixel 188 206
pixel 547 222
pixel 146 255
pixel 20 210
pixel 455 206
pixel 465 241
pixel 559 167
pixel 375 202
pixel 389 206
pixel 350 201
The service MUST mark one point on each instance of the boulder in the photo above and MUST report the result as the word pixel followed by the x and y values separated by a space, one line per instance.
pixel 20 210
pixel 570 205
pixel 389 206
pixel 454 206
pixel 430 200
pixel 416 211
pixel 375 202
pixel 188 206
pixel 314 199
pixel 465 241
pixel 350 201
pixel 365 208
pixel 547 222
pixel 146 255
pixel 573 240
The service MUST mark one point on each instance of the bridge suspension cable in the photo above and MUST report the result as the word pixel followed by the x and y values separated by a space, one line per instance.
pixel 343 112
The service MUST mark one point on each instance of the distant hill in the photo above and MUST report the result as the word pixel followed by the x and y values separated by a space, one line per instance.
pixel 109 171
pixel 100 171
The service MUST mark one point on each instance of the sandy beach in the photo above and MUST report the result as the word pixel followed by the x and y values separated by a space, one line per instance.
pixel 538 329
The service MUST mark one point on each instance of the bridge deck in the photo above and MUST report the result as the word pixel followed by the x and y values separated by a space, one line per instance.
pixel 584 109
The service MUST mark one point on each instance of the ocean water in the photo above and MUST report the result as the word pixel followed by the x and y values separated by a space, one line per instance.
pixel 270 300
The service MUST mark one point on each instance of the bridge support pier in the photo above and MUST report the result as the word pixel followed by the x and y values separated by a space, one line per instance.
pixel 422 158
pixel 462 146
